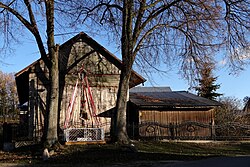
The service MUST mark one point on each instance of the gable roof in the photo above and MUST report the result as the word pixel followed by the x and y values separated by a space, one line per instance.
pixel 171 99
pixel 136 79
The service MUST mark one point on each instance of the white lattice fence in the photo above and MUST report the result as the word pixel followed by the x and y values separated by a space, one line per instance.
pixel 84 134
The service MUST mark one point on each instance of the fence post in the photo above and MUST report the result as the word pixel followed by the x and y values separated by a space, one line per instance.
pixel 212 130
pixel 172 130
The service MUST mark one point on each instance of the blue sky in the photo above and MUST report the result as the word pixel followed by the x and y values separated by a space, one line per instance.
pixel 234 86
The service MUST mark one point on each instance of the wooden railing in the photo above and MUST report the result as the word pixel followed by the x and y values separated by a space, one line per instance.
pixel 190 130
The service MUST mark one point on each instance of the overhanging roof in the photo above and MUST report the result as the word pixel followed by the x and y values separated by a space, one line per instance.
pixel 165 99
pixel 171 99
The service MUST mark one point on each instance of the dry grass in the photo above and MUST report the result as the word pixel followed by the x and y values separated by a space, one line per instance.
pixel 111 154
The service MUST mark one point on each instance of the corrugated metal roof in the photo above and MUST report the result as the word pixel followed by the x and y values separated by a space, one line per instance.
pixel 173 99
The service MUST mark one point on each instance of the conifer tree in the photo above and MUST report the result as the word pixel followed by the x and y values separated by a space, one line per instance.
pixel 207 87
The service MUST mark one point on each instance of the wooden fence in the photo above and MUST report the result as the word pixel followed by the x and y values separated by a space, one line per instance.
pixel 153 131
pixel 189 131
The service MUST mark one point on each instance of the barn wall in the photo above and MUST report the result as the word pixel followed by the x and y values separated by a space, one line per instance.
pixel 37 100
pixel 103 79
pixel 174 121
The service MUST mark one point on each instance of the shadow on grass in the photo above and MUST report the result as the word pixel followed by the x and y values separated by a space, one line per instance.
pixel 107 155
pixel 92 155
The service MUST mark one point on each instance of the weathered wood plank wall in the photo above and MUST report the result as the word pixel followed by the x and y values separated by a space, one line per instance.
pixel 103 78
pixel 175 118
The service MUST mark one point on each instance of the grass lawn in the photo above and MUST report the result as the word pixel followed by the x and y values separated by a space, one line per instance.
pixel 112 154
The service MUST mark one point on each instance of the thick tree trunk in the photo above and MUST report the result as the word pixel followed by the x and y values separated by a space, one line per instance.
pixel 121 135
pixel 53 92
pixel 51 137
pixel 120 123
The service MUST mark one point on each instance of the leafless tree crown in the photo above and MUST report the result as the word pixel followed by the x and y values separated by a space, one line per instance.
pixel 183 32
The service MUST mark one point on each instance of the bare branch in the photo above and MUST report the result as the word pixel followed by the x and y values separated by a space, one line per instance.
pixel 32 27
pixel 139 19
pixel 31 15
pixel 156 13
pixel 8 5
pixel 18 16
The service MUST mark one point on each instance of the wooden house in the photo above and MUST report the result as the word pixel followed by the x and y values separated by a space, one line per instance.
pixel 162 113
pixel 89 78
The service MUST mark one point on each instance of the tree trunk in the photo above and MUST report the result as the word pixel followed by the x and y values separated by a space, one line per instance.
pixel 53 92
pixel 127 61
pixel 51 137
pixel 121 135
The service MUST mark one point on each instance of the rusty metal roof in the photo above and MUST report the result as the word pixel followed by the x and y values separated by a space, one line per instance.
pixel 150 89
pixel 171 99
pixel 163 98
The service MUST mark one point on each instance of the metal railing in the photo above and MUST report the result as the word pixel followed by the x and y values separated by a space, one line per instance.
pixel 84 134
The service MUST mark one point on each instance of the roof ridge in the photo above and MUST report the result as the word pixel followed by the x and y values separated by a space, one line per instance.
pixel 96 46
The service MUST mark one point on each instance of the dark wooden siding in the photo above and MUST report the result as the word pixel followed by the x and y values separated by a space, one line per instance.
pixel 23 89
pixel 177 123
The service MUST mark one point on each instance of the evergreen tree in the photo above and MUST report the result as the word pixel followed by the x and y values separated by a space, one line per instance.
pixel 207 87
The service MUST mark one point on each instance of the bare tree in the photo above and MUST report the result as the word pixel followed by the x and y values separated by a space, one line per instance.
pixel 8 94
pixel 230 119
pixel 183 32
pixel 24 13
pixel 229 111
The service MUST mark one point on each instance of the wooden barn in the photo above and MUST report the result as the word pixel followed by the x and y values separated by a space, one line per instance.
pixel 89 78
pixel 158 112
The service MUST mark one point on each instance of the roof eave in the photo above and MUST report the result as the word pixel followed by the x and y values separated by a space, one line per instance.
pixel 175 107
